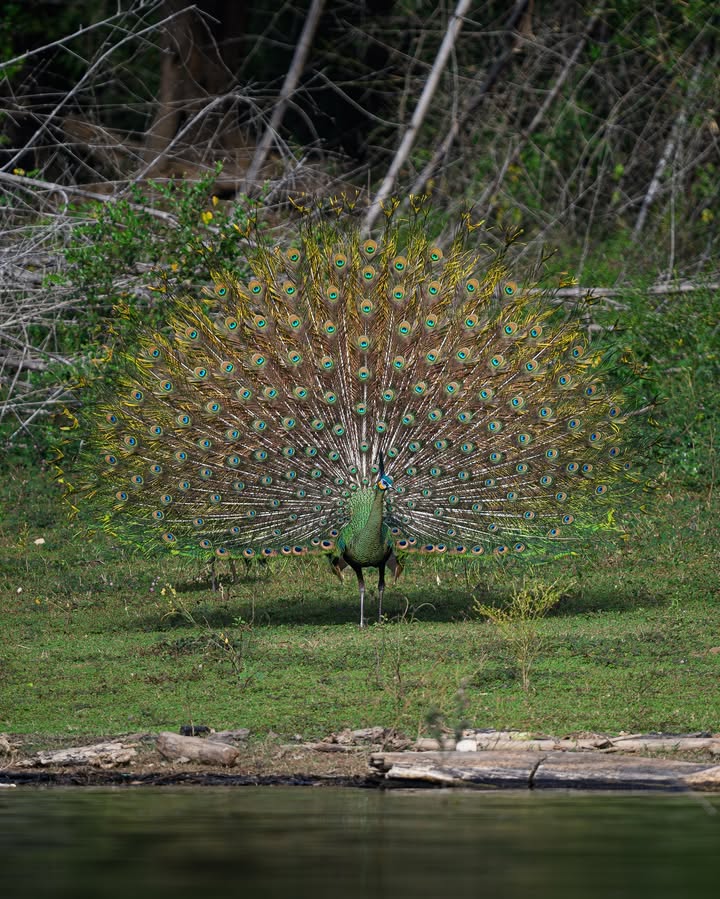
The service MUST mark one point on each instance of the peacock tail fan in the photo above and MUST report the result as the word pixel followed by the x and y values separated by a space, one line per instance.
pixel 246 426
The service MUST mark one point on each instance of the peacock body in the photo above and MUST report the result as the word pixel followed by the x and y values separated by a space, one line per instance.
pixel 262 421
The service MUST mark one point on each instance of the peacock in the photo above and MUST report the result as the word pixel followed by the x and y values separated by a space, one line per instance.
pixel 366 398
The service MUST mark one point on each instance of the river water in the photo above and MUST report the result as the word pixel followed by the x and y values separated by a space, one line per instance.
pixel 295 843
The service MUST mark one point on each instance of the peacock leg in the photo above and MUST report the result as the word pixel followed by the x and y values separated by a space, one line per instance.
pixel 381 588
pixel 361 584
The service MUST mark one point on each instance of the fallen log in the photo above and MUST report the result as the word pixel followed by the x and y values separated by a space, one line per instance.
pixel 578 770
pixel 196 749
pixel 102 755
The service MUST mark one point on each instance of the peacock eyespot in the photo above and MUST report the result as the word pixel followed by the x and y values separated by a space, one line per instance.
pixel 399 263
pixel 472 285
pixel 510 289
pixel 436 254
pixel 368 273
pixel 370 247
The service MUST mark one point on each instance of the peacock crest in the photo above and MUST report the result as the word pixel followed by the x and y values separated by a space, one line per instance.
pixel 267 419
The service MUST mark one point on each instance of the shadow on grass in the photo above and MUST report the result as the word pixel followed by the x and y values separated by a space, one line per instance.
pixel 327 608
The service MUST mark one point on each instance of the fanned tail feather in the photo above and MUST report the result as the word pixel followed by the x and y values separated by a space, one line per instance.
pixel 243 430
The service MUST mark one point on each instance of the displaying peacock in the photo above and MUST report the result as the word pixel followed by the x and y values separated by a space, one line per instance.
pixel 364 398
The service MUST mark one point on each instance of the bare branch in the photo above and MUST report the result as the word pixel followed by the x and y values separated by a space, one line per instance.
pixel 386 188
pixel 292 78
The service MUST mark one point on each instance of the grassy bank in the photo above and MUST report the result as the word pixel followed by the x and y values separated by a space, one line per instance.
pixel 96 640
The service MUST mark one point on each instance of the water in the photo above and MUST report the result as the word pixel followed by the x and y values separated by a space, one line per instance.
pixel 292 842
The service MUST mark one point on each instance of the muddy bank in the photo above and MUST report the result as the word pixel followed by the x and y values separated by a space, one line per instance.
pixel 370 757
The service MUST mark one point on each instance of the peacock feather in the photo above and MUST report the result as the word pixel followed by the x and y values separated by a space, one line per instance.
pixel 262 421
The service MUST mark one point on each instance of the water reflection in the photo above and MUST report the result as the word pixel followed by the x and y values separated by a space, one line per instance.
pixel 290 842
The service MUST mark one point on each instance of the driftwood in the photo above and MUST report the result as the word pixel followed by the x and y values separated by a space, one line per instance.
pixel 579 770
pixel 102 755
pixel 196 749
pixel 517 741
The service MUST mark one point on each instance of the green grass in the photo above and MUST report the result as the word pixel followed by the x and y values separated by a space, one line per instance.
pixel 97 640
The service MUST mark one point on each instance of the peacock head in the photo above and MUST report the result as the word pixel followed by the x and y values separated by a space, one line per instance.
pixel 385 482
